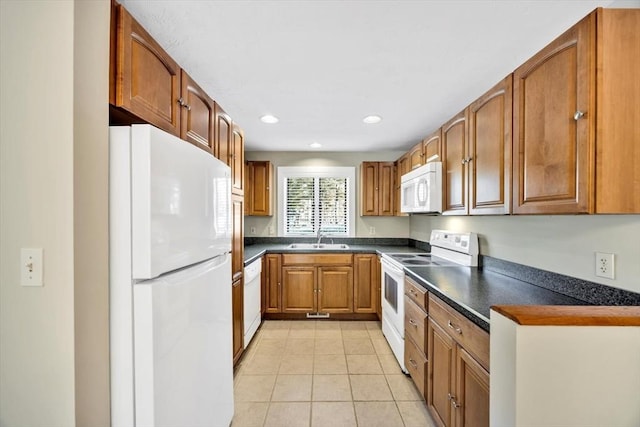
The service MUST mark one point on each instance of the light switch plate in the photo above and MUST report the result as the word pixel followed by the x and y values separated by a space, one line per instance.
pixel 31 267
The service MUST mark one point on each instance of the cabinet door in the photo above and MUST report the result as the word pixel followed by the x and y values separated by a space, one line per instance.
pixel 440 381
pixel 335 289
pixel 366 283
pixel 386 189
pixel 402 167
pixel 299 290
pixel 369 182
pixel 454 167
pixel 431 147
pixel 237 316
pixel 416 156
pixel 248 188
pixel 197 115
pixel 552 172
pixel 236 160
pixel 237 239
pixel 147 79
pixel 258 188
pixel 223 135
pixel 490 151
pixel 472 392
pixel 273 296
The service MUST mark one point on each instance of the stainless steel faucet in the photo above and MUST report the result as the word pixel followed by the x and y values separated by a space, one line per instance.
pixel 320 235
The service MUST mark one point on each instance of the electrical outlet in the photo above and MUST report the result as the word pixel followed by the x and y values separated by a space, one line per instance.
pixel 372 231
pixel 253 230
pixel 605 265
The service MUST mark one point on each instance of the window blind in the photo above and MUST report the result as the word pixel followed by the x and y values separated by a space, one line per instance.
pixel 314 203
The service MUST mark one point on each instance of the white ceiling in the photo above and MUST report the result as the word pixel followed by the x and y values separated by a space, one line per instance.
pixel 321 66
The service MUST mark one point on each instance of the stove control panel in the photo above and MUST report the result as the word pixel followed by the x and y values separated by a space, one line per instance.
pixel 466 243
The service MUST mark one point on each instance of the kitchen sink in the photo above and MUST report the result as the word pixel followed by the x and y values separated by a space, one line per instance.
pixel 318 246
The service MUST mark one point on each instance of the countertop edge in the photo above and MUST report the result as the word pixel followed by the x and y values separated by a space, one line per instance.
pixel 541 315
pixel 467 312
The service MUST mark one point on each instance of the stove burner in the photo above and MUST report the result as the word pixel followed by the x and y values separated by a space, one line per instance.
pixel 404 256
pixel 418 262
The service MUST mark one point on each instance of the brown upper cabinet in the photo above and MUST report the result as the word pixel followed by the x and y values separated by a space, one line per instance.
pixel 431 147
pixel 476 155
pixel 148 86
pixel 236 160
pixel 489 162
pixel 198 113
pixel 416 156
pixel 258 183
pixel 455 157
pixel 147 79
pixel 576 120
pixel 377 188
pixel 401 168
pixel 223 134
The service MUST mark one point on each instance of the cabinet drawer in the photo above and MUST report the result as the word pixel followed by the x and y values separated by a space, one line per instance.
pixel 416 292
pixel 468 335
pixel 415 323
pixel 416 364
pixel 317 259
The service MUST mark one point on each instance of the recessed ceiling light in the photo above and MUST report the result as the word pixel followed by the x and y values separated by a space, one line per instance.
pixel 268 118
pixel 372 119
pixel 315 145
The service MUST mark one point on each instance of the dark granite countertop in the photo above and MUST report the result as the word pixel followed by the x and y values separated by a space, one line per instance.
pixel 253 252
pixel 472 290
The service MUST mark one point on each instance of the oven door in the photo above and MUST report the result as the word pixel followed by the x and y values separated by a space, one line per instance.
pixel 392 295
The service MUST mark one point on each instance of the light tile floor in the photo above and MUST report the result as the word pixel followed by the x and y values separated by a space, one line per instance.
pixel 312 373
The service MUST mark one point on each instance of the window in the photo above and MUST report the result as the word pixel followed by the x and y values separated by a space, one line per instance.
pixel 316 198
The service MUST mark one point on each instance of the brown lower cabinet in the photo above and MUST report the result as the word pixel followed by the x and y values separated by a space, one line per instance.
pixel 272 283
pixel 338 283
pixel 457 381
pixel 237 316
pixel 317 283
pixel 366 292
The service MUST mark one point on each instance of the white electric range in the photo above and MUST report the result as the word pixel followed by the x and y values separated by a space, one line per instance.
pixel 447 249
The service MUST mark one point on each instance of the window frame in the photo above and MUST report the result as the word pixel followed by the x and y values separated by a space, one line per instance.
pixel 348 172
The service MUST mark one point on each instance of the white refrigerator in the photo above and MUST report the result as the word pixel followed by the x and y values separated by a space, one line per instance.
pixel 170 282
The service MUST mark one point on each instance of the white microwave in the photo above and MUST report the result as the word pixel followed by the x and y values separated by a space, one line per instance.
pixel 421 189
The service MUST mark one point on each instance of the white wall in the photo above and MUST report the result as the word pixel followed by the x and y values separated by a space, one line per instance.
pixel 384 226
pixel 91 204
pixel 564 375
pixel 46 129
pixel 563 244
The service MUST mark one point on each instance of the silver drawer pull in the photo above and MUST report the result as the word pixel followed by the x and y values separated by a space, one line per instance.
pixel 454 327
pixel 452 399
pixel 413 323
pixel 413 363
pixel 578 115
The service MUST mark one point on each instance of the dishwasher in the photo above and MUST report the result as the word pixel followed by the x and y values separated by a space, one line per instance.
pixel 252 291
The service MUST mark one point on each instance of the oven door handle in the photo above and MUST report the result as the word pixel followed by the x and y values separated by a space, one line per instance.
pixel 387 264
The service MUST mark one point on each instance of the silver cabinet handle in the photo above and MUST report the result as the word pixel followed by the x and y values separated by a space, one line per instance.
pixel 413 363
pixel 454 327
pixel 413 323
pixel 464 161
pixel 452 399
pixel 183 104
pixel 578 115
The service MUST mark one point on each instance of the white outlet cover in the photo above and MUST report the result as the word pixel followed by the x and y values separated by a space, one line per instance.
pixel 605 265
